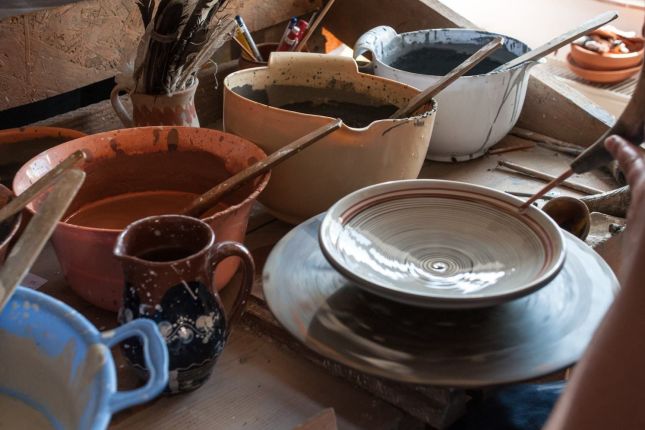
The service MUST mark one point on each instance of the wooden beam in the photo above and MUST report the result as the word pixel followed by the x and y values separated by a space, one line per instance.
pixel 56 50
pixel 551 108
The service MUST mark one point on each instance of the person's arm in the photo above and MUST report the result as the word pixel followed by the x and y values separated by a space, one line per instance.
pixel 607 386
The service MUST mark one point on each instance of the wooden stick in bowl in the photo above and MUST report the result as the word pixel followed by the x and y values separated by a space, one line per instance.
pixel 427 95
pixel 210 197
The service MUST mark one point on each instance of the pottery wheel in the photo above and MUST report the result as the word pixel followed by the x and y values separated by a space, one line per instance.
pixel 525 338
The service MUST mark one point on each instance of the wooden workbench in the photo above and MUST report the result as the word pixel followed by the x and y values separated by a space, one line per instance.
pixel 265 379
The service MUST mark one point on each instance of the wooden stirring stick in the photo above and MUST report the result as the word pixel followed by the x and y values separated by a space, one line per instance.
pixel 314 25
pixel 210 197
pixel 19 203
pixel 560 41
pixel 42 225
pixel 630 125
pixel 425 96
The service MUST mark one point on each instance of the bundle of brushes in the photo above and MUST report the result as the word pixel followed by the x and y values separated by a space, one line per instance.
pixel 180 36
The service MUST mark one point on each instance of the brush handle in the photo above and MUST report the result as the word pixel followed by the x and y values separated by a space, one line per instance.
pixel 427 95
pixel 560 41
pixel 210 197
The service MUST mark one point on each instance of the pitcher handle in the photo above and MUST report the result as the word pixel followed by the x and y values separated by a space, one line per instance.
pixel 234 249
pixel 155 354
pixel 123 114
pixel 373 42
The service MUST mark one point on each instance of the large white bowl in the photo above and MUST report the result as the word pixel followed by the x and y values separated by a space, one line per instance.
pixel 441 243
pixel 475 112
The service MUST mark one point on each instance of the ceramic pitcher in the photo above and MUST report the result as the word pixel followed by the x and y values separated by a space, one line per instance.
pixel 151 109
pixel 475 112
pixel 168 262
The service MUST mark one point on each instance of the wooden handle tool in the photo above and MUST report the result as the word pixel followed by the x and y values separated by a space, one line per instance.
pixel 17 204
pixel 560 41
pixel 427 95
pixel 210 197
pixel 630 125
pixel 38 231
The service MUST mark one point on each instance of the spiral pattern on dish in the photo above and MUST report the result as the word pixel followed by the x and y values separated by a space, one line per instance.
pixel 459 246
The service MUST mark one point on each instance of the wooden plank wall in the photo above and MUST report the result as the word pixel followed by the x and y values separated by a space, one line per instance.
pixel 60 49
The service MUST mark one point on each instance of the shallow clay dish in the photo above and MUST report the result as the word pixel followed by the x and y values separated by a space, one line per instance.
pixel 601 76
pixel 525 338
pixel 441 244
pixel 595 61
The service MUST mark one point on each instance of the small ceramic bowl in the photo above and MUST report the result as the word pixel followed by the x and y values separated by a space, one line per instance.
pixel 594 61
pixel 601 76
pixel 441 244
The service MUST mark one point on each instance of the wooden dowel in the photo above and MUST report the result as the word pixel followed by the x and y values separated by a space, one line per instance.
pixel 547 141
pixel 210 197
pixel 314 25
pixel 512 148
pixel 546 177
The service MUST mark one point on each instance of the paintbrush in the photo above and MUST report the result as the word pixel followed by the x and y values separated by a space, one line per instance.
pixel 316 22
pixel 212 196
pixel 630 126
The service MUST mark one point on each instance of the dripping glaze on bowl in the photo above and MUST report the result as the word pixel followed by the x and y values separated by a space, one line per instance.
pixel 441 244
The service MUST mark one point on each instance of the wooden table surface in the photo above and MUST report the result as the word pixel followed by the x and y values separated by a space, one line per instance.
pixel 259 383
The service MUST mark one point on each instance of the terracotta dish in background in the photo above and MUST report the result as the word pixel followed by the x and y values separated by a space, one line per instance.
pixel 594 61
pixel 601 76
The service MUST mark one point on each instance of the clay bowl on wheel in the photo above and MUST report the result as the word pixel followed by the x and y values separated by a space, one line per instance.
pixel 9 228
pixel 137 172
pixel 300 92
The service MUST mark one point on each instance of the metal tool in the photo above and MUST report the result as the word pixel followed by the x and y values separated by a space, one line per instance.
pixel 630 126
pixel 26 250
pixel 560 41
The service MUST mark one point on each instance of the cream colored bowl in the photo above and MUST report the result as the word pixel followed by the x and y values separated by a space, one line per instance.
pixel 346 160
pixel 441 244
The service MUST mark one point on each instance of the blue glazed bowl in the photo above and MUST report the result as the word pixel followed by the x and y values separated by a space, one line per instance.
pixel 58 363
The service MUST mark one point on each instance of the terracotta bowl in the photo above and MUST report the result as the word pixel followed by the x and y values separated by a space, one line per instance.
pixel 601 76
pixel 137 160
pixel 8 229
pixel 594 61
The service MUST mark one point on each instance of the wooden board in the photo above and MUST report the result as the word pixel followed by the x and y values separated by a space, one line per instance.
pixel 56 50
